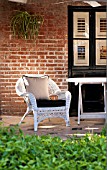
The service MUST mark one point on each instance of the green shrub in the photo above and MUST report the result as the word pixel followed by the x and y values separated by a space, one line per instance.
pixel 31 152
pixel 104 130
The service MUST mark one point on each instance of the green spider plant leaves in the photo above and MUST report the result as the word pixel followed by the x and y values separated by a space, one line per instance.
pixel 25 25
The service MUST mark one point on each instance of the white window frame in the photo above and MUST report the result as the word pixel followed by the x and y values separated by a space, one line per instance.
pixel 81 62
pixel 77 15
pixel 100 43
pixel 100 15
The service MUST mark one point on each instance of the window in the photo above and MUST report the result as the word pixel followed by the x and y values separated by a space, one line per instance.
pixel 87 28
pixel 101 24
pixel 80 31
pixel 101 51
pixel 101 29
pixel 81 52
pixel 81 24
pixel 87 51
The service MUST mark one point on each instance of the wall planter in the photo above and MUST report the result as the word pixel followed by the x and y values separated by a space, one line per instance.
pixel 19 1
pixel 25 25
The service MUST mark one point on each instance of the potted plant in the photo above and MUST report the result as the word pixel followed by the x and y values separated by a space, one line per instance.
pixel 25 25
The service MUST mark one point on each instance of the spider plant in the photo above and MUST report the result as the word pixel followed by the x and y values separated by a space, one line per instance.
pixel 25 25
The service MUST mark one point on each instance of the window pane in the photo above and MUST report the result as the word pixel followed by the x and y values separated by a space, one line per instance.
pixel 81 52
pixel 102 52
pixel 81 24
pixel 101 24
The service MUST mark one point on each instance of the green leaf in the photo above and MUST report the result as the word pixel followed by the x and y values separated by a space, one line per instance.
pixel 30 152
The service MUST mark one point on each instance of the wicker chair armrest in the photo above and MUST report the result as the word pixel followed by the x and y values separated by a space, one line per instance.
pixel 20 88
pixel 68 99
pixel 61 95
pixel 30 99
pixel 53 96
pixel 68 95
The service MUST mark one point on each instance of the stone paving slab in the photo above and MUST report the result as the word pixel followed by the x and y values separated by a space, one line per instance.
pixel 56 126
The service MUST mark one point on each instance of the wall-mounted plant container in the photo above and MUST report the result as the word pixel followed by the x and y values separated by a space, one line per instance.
pixel 19 1
pixel 25 25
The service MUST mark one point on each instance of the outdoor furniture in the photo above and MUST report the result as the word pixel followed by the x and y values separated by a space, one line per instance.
pixel 89 80
pixel 42 105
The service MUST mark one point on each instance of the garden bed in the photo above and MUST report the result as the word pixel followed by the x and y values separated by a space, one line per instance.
pixel 31 152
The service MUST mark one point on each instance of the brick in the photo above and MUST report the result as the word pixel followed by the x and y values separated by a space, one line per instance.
pixel 48 54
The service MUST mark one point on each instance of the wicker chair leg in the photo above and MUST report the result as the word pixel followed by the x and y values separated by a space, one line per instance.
pixel 35 121
pixel 67 123
pixel 27 111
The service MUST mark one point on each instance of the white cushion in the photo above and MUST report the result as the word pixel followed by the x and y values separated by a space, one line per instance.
pixel 37 85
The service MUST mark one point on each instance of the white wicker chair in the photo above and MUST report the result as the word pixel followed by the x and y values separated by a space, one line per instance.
pixel 41 113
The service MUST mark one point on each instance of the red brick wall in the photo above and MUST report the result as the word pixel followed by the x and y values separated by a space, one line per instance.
pixel 46 55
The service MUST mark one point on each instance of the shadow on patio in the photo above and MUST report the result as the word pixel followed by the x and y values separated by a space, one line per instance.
pixel 56 126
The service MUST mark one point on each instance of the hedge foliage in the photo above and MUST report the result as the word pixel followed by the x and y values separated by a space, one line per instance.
pixel 32 152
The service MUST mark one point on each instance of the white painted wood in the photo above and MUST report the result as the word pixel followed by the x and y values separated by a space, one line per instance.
pixel 89 80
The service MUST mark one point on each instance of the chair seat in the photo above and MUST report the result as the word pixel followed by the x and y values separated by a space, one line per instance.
pixel 51 103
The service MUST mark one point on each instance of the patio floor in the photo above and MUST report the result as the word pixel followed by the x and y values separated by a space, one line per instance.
pixel 56 126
